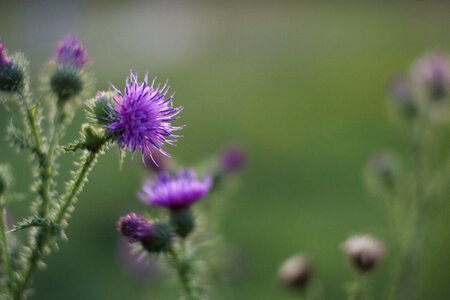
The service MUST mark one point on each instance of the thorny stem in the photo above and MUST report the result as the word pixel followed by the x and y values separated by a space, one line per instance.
pixel 75 189
pixel 44 235
pixel 4 246
pixel 184 271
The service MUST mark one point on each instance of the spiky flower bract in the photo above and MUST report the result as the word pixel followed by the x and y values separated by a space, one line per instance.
pixel 142 117
pixel 70 52
pixel 175 191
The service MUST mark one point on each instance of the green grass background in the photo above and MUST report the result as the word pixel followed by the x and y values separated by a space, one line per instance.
pixel 301 84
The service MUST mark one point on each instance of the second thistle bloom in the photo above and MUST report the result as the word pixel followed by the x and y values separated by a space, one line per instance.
pixel 142 117
pixel 175 191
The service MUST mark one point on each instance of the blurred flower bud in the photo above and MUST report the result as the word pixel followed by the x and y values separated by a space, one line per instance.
pixel 5 179
pixel 93 138
pixel 11 74
pixel 66 83
pixel 161 240
pixel 432 72
pixel 381 171
pixel 154 237
pixel 70 52
pixel 403 97
pixel 182 221
pixel 295 272
pixel 232 159
pixel 363 252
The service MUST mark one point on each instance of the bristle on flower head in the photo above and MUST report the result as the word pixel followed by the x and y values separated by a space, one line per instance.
pixel 142 117
pixel 175 191
pixel 70 52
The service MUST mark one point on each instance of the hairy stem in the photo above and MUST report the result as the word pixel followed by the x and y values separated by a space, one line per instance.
pixel 75 188
pixel 184 272
pixel 4 251
pixel 45 234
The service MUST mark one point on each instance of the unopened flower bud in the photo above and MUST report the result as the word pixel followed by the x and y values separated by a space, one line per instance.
pixel 102 108
pixel 93 138
pixel 382 171
pixel 161 240
pixel 66 83
pixel 154 237
pixel 295 272
pixel 403 97
pixel 363 252
pixel 11 74
pixel 232 159
pixel 432 72
pixel 182 221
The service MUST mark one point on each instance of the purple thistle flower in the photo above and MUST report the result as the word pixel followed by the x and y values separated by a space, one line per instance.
pixel 135 228
pixel 176 191
pixel 71 52
pixel 4 60
pixel 432 71
pixel 142 117
pixel 232 159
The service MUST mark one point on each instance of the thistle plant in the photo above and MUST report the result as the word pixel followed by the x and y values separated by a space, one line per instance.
pixel 412 184
pixel 137 119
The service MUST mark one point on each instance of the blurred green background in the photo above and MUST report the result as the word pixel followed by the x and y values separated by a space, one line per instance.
pixel 302 85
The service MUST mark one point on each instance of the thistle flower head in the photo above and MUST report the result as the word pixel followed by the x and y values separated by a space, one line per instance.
pixel 135 228
pixel 70 52
pixel 142 117
pixel 4 59
pixel 432 71
pixel 402 95
pixel 175 191
pixel 295 272
pixel 232 158
pixel 363 252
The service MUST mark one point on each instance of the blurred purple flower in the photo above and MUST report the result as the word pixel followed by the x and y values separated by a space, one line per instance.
pixel 432 71
pixel 175 191
pixel 232 159
pixel 142 117
pixel 135 228
pixel 4 60
pixel 71 52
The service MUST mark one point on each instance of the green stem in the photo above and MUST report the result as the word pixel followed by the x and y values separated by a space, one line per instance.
pixel 184 272
pixel 44 235
pixel 75 188
pixel 356 289
pixel 4 246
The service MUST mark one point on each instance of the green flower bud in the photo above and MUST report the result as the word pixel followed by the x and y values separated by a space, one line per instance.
pixel 11 78
pixel 102 107
pixel 182 221
pixel 66 83
pixel 161 239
